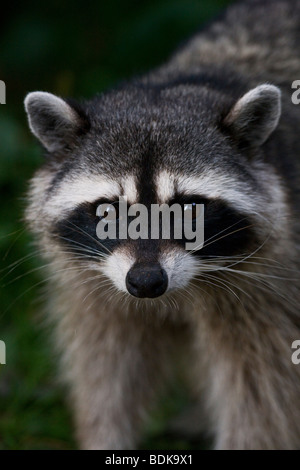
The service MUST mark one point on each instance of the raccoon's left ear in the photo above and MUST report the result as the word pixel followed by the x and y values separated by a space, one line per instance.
pixel 255 116
pixel 54 121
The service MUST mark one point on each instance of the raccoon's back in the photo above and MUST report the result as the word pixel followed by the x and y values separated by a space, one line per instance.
pixel 259 39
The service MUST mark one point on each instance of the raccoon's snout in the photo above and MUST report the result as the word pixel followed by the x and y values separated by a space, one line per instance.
pixel 146 280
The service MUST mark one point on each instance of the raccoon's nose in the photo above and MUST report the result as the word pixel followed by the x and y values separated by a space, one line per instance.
pixel 146 280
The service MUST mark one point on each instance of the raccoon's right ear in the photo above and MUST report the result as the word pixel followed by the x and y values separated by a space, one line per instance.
pixel 56 123
pixel 255 115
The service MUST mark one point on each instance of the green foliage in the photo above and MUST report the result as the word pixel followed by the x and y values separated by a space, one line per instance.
pixel 71 49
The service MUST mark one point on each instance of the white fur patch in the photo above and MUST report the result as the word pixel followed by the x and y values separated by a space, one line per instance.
pixel 210 184
pixel 214 185
pixel 73 192
pixel 129 186
pixel 180 267
pixel 77 191
pixel 117 266
pixel 164 186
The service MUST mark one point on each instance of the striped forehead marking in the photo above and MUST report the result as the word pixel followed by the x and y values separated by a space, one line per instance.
pixel 165 186
pixel 211 185
pixel 75 191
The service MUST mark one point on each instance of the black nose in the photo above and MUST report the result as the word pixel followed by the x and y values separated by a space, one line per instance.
pixel 146 280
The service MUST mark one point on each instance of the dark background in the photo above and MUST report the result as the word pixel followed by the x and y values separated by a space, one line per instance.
pixel 70 49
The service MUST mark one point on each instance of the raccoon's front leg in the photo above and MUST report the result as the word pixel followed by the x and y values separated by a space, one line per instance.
pixel 252 401
pixel 115 365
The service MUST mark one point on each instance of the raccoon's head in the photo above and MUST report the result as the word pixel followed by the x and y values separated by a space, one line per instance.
pixel 181 144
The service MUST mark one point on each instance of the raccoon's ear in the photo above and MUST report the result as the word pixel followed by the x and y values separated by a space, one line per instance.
pixel 53 121
pixel 255 116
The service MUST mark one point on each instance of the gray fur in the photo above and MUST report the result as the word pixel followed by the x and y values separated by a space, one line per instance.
pixel 265 101
pixel 209 115
pixel 53 121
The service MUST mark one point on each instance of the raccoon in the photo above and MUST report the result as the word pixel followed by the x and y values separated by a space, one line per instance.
pixel 213 125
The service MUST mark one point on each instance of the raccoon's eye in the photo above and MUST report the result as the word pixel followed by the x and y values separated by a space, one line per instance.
pixel 192 205
pixel 108 211
pixel 192 211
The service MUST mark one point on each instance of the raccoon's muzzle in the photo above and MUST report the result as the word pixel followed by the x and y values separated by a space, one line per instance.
pixel 146 280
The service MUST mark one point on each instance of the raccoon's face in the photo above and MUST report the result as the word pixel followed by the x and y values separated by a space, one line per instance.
pixel 169 145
